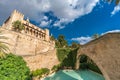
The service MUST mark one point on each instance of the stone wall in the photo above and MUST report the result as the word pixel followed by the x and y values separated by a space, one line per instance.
pixel 36 52
pixel 22 44
pixel 45 60
pixel 105 52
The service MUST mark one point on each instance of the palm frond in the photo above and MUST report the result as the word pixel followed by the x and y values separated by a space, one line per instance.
pixel 5 42
pixel 3 48
pixel 117 2
pixel 2 55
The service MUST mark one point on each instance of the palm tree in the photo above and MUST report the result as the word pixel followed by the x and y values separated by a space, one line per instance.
pixel 95 36
pixel 3 48
pixel 18 26
pixel 116 1
pixel 52 38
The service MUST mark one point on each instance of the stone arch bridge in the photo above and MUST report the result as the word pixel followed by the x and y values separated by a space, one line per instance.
pixel 105 52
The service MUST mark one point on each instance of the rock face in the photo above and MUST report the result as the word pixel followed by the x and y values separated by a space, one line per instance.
pixel 105 52
pixel 44 60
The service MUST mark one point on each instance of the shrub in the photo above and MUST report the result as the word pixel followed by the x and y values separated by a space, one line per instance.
pixel 67 57
pixel 61 42
pixel 18 26
pixel 56 67
pixel 13 68
pixel 87 63
pixel 94 67
pixel 45 71
pixel 40 72
pixel 62 53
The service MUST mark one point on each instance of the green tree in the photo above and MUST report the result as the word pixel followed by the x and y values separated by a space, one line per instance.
pixel 57 43
pixel 3 48
pixel 95 36
pixel 40 72
pixel 61 42
pixel 75 45
pixel 56 67
pixel 52 38
pixel 14 68
pixel 116 1
pixel 18 26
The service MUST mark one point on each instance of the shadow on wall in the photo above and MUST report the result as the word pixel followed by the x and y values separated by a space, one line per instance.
pixel 87 63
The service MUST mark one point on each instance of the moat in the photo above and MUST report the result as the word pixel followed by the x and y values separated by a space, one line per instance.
pixel 75 75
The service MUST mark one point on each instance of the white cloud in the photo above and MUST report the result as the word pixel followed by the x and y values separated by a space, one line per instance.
pixel 61 23
pixel 45 18
pixel 69 10
pixel 112 31
pixel 116 9
pixel 66 10
pixel 44 23
pixel 82 40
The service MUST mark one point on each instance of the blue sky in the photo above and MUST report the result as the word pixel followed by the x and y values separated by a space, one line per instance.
pixel 78 20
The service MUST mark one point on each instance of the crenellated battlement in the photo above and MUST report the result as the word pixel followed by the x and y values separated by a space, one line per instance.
pixel 30 29
pixel 16 15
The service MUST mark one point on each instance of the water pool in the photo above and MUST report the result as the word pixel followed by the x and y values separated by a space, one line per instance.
pixel 75 75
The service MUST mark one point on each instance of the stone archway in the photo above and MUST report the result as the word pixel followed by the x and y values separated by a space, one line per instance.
pixel 97 64
pixel 105 52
